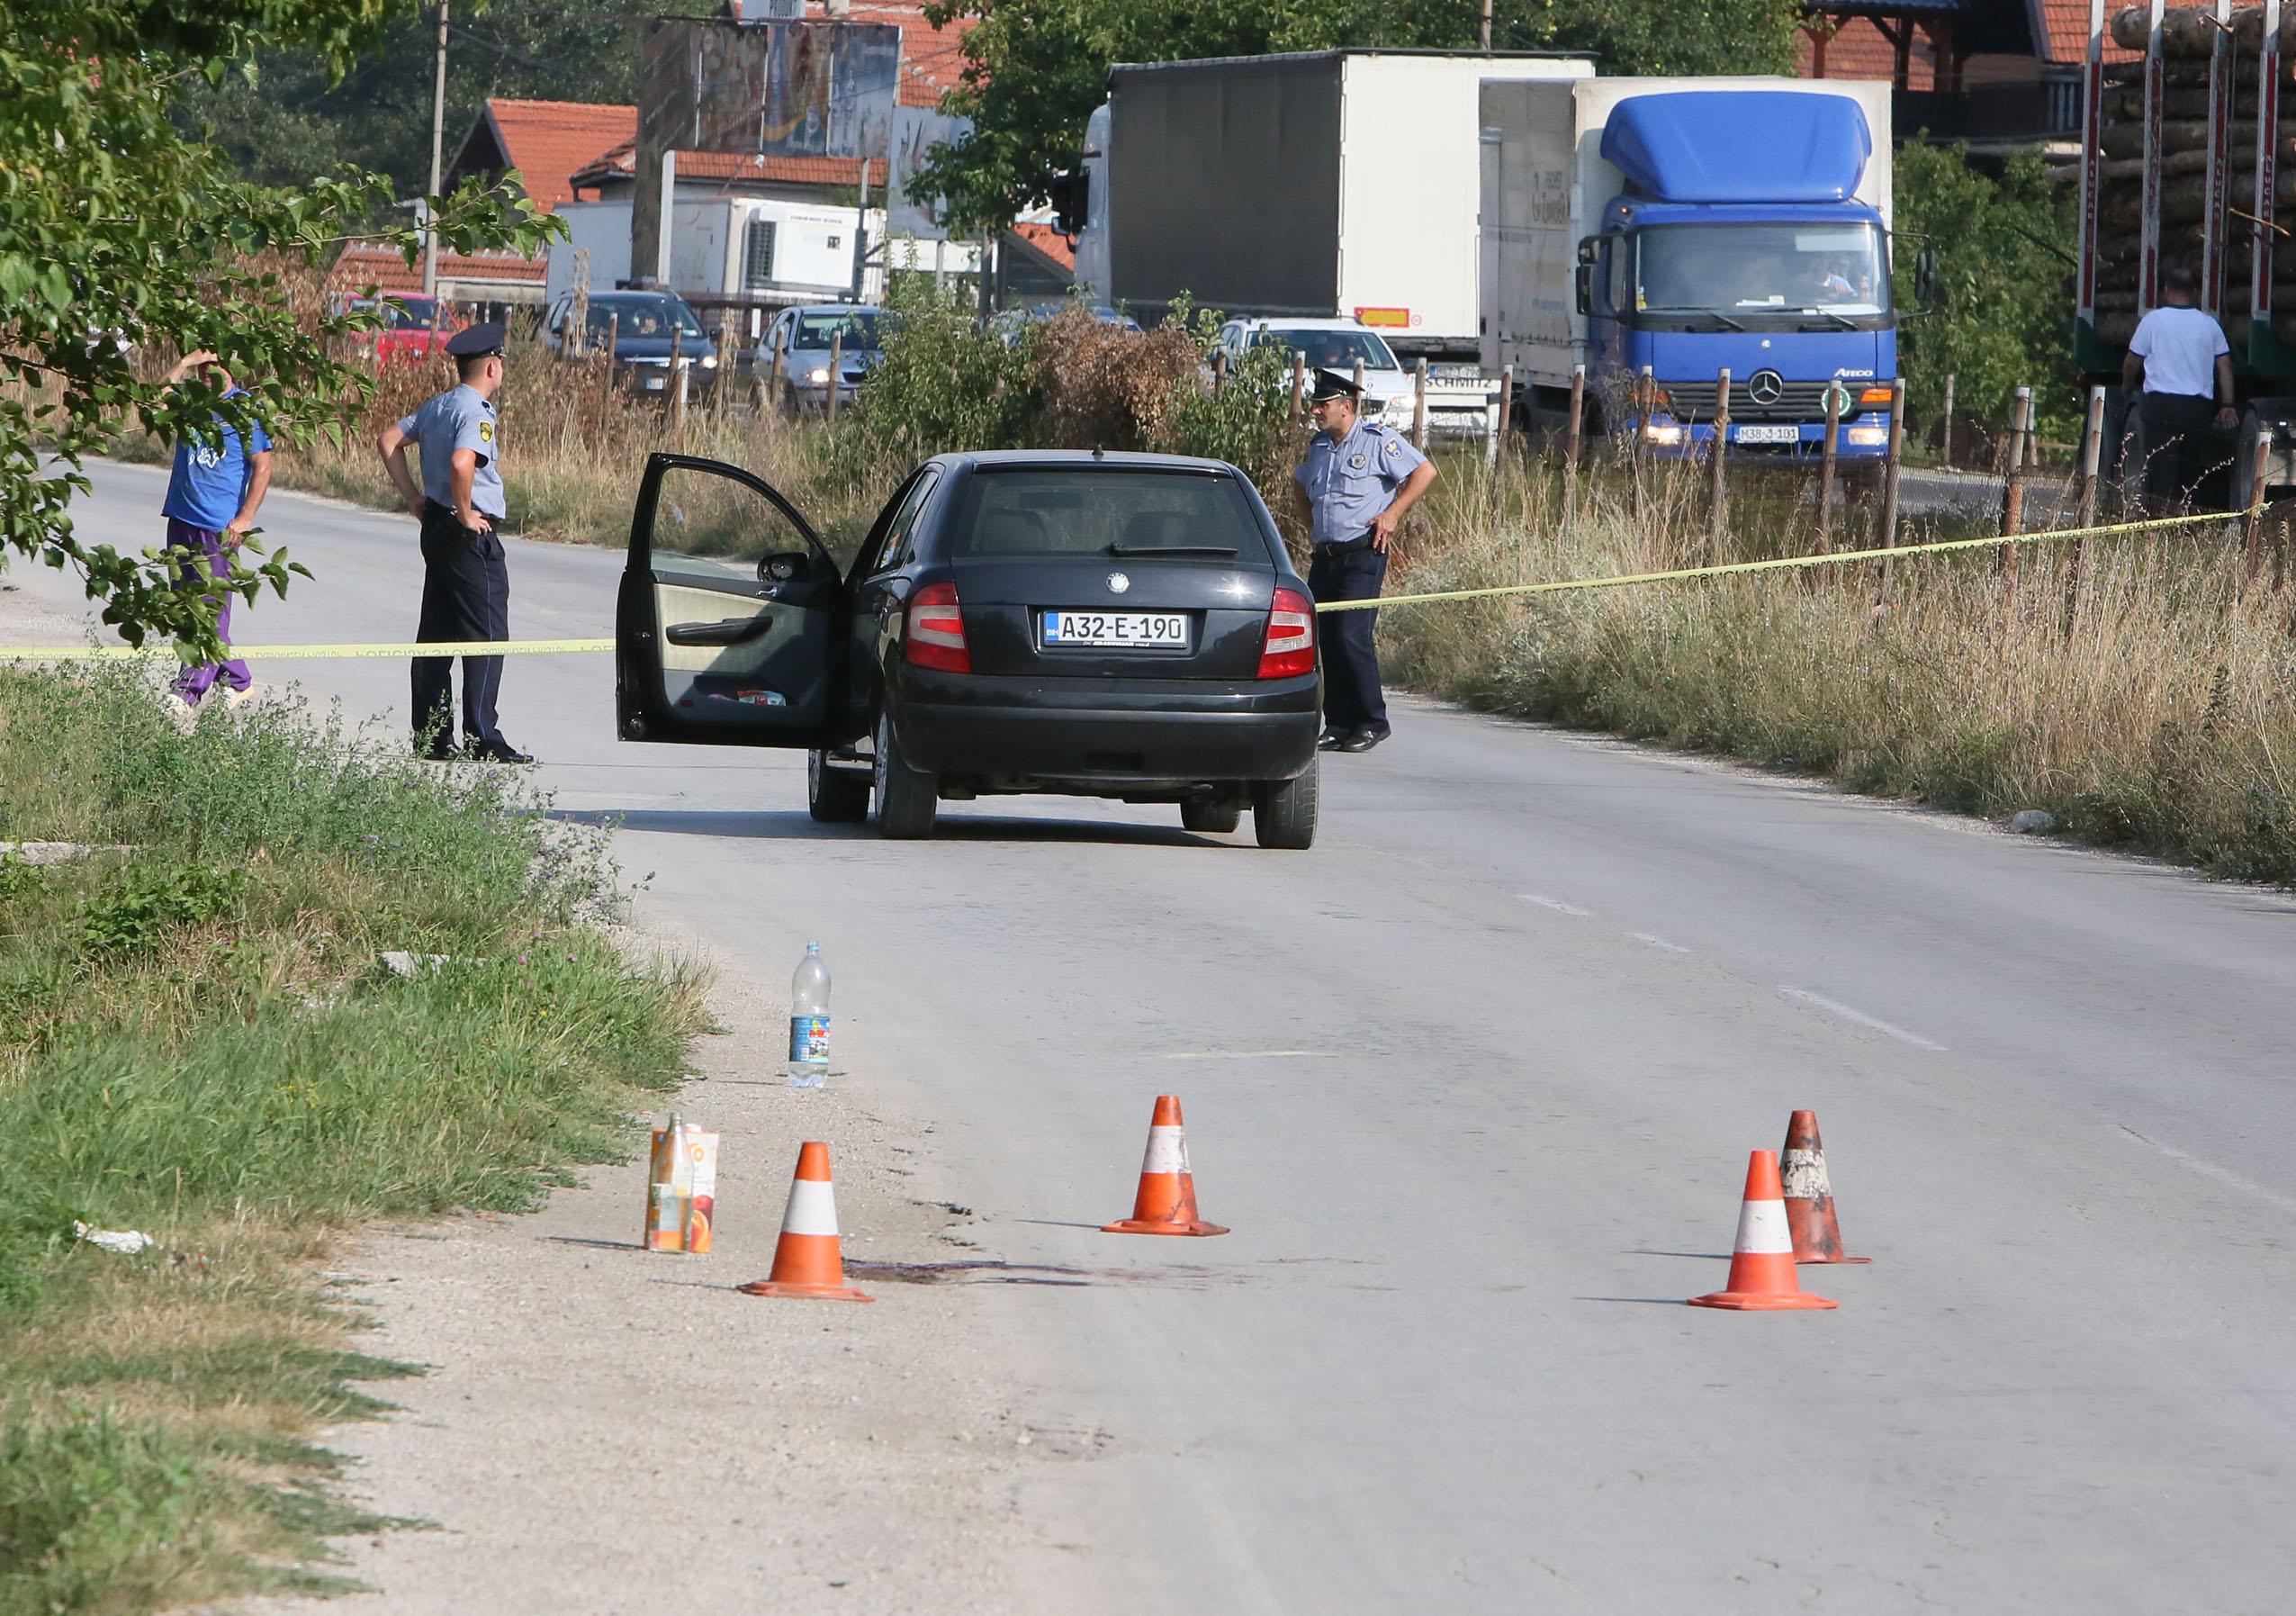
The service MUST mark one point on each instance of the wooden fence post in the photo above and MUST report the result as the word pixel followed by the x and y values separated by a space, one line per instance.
pixel 1825 469
pixel 613 361
pixel 836 374
pixel 773 381
pixel 1298 383
pixel 2252 553
pixel 1219 372
pixel 2012 492
pixel 1717 456
pixel 1889 485
pixel 1945 430
pixel 1644 394
pixel 2084 509
pixel 1420 405
pixel 678 385
pixel 1572 434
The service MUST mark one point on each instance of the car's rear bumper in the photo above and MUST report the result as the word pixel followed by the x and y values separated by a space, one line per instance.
pixel 1009 733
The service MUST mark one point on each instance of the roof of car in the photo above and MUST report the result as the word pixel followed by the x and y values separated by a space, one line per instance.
pixel 1305 323
pixel 1112 459
pixel 838 308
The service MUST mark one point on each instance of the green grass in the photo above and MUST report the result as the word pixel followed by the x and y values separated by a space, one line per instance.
pixel 197 1040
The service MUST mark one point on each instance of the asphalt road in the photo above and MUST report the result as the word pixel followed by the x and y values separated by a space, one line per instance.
pixel 1474 1081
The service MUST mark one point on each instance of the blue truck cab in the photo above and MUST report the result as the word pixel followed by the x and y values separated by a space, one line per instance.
pixel 1739 242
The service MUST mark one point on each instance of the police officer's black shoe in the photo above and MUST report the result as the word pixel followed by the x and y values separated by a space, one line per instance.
pixel 1331 739
pixel 1365 738
pixel 499 752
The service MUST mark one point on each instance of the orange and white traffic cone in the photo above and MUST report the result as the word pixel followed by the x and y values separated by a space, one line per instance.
pixel 1166 1201
pixel 1809 1194
pixel 806 1261
pixel 1761 1262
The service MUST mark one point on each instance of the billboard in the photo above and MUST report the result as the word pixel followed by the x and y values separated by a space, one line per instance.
pixel 771 89
pixel 916 131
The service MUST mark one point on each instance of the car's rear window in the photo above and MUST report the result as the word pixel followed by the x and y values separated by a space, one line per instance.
pixel 1086 509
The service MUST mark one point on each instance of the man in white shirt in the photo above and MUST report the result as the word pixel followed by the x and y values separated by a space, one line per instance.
pixel 2180 359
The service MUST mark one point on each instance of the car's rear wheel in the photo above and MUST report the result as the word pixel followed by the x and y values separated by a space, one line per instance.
pixel 1283 811
pixel 834 796
pixel 907 799
pixel 1211 818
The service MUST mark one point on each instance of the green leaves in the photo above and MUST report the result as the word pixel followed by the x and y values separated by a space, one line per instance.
pixel 123 244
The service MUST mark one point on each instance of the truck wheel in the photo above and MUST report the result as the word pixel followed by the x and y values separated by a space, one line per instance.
pixel 1283 812
pixel 1211 818
pixel 907 799
pixel 834 796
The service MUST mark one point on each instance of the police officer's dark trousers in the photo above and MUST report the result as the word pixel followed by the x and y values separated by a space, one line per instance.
pixel 1352 697
pixel 465 596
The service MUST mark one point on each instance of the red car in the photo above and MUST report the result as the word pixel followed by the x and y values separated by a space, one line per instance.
pixel 405 335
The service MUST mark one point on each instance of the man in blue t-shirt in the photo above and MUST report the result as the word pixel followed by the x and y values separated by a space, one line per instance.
pixel 212 496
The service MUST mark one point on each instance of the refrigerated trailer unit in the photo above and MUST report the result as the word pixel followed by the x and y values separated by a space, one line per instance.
pixel 1328 185
pixel 1678 227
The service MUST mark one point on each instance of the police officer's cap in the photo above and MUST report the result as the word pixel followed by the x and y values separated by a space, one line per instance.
pixel 1331 384
pixel 479 342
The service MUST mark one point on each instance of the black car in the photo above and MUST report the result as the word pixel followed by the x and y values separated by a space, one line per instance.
pixel 1121 626
pixel 647 331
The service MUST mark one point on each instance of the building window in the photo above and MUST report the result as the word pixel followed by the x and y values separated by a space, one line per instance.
pixel 757 266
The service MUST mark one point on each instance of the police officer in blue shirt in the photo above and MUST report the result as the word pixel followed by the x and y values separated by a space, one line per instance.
pixel 465 588
pixel 1358 480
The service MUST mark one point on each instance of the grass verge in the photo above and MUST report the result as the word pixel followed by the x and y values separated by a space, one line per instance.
pixel 200 1043
pixel 2157 713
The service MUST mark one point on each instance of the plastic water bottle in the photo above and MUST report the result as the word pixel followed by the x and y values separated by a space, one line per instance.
pixel 809 1021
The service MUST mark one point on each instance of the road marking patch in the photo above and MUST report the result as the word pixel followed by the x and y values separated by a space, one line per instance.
pixel 1557 904
pixel 1875 1023
pixel 1672 948
pixel 2210 1170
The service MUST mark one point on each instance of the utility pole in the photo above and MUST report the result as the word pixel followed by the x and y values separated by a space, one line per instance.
pixel 437 161
pixel 1483 32
pixel 860 236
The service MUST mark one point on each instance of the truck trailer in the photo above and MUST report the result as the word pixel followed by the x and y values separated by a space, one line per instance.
pixel 1329 184
pixel 2181 146
pixel 1675 228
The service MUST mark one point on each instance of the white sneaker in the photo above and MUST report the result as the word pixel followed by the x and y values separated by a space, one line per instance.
pixel 237 699
pixel 180 712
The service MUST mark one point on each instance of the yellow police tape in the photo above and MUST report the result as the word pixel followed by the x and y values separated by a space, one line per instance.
pixel 1832 558
pixel 316 653
pixel 1555 586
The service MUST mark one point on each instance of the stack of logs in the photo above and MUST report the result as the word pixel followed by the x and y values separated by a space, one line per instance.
pixel 2189 36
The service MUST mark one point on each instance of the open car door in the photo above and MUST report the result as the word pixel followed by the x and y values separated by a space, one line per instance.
pixel 730 618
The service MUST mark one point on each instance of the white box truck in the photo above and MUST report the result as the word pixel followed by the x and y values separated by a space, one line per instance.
pixel 722 246
pixel 1326 184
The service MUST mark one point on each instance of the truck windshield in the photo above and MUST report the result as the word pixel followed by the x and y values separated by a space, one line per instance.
pixel 1738 269
pixel 1331 350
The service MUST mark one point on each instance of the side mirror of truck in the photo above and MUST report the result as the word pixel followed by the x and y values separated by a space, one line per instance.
pixel 1926 276
pixel 1586 284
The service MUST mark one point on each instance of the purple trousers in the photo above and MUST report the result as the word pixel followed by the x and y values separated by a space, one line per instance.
pixel 198 554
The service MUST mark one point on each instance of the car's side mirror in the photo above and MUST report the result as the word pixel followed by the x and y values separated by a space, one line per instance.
pixel 786 566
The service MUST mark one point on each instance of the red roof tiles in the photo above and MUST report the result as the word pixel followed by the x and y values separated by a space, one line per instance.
pixel 548 142
pixel 385 269
pixel 1049 241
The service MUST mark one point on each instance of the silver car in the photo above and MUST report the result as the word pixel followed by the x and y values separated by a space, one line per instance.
pixel 806 338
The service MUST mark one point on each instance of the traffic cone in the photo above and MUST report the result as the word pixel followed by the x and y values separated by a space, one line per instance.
pixel 1809 1194
pixel 806 1261
pixel 1761 1262
pixel 1166 1202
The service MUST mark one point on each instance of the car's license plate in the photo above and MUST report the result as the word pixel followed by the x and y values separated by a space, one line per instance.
pixel 1128 631
pixel 1767 434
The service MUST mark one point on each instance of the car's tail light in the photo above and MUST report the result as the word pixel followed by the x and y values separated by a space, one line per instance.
pixel 936 632
pixel 1290 647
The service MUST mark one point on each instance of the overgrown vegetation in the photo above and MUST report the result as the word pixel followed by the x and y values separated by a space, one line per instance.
pixel 2164 721
pixel 2000 313
pixel 198 1040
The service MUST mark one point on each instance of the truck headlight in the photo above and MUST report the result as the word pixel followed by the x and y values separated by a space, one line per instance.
pixel 818 375
pixel 1661 433
pixel 1869 438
